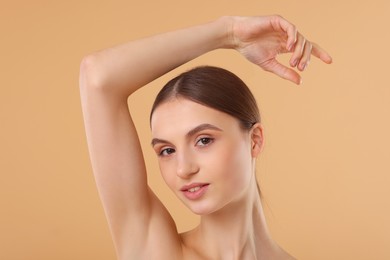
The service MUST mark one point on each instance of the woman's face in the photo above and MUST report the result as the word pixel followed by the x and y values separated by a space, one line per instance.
pixel 204 156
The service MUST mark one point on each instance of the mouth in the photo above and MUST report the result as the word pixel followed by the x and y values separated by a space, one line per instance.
pixel 195 191
pixel 193 187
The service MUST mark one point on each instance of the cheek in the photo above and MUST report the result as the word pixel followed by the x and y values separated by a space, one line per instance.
pixel 167 173
pixel 235 166
pixel 241 170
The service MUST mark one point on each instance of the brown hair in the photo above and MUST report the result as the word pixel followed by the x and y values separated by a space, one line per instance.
pixel 216 88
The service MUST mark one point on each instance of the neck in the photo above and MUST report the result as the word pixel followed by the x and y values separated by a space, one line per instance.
pixel 237 231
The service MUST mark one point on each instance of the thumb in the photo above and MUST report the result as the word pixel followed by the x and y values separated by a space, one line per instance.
pixel 282 71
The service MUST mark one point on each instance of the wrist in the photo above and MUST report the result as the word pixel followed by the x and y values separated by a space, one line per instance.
pixel 227 36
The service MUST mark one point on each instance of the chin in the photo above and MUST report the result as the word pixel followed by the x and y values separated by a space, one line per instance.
pixel 197 207
pixel 201 208
pixel 201 211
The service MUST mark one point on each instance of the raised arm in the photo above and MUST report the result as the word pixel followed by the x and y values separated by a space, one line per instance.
pixel 137 219
pixel 107 78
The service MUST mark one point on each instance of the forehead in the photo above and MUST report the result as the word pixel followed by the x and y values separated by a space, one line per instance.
pixel 181 115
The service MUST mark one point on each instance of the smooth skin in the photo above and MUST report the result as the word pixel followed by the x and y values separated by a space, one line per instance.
pixel 232 225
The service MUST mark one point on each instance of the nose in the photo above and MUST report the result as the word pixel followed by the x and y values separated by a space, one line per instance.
pixel 186 165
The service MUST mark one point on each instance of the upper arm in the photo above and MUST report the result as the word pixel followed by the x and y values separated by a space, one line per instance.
pixel 119 167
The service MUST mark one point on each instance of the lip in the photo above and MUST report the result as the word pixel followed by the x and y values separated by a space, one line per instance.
pixel 196 194
pixel 193 185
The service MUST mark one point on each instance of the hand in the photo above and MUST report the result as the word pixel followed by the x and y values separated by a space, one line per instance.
pixel 261 39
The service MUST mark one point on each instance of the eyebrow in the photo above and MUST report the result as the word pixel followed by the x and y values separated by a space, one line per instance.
pixel 190 133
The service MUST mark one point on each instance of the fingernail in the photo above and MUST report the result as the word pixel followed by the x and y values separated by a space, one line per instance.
pixel 306 65
pixel 294 63
pixel 290 46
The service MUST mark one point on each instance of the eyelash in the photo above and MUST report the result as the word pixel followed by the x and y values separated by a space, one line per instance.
pixel 208 139
pixel 168 150
pixel 200 142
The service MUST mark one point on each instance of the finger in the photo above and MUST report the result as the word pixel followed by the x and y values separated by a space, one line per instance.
pixel 320 53
pixel 305 59
pixel 282 71
pixel 298 50
pixel 291 31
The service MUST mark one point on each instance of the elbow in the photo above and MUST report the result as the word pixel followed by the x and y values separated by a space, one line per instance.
pixel 90 77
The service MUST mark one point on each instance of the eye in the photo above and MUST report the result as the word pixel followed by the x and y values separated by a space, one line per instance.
pixel 204 141
pixel 166 152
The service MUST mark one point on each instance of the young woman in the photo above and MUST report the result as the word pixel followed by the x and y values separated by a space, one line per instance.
pixel 206 133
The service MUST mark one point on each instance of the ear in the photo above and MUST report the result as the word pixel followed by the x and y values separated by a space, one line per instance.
pixel 257 139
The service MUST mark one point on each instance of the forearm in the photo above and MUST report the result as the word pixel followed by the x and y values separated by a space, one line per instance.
pixel 125 68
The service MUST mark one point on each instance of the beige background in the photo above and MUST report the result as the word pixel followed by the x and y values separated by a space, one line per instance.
pixel 325 169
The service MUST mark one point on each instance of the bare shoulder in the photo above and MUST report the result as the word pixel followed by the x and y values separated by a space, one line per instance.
pixel 193 249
